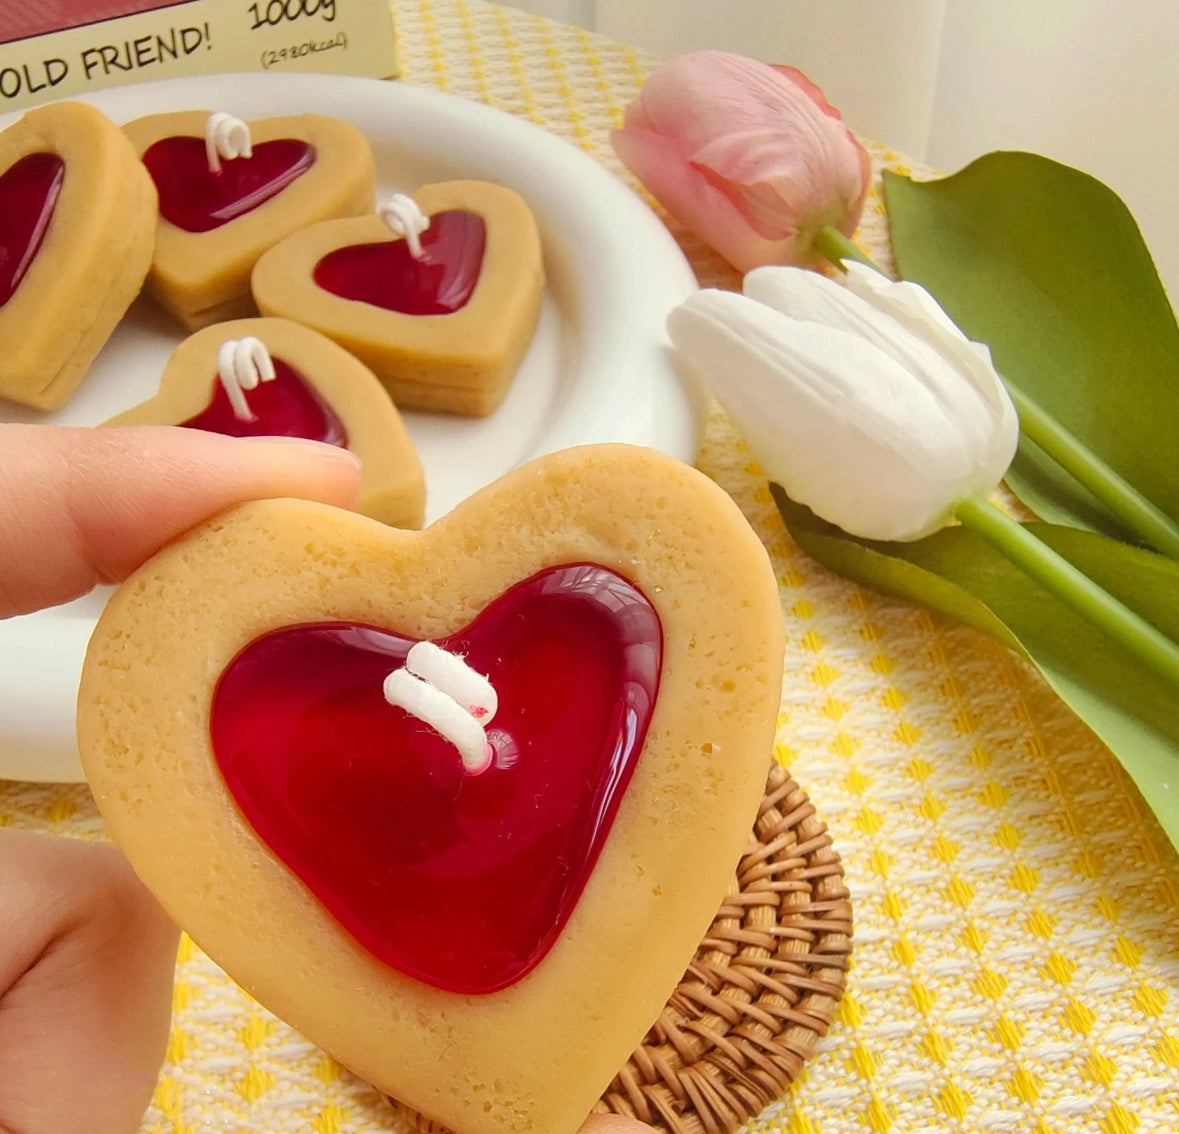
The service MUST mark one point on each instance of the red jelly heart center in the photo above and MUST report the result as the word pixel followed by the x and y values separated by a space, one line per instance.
pixel 460 881
pixel 386 275
pixel 286 406
pixel 194 198
pixel 28 195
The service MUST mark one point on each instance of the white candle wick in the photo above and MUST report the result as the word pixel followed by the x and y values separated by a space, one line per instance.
pixel 241 365
pixel 439 688
pixel 226 138
pixel 406 219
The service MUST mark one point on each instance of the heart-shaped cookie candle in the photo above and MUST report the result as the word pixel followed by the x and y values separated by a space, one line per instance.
pixel 314 389
pixel 221 208
pixel 444 317
pixel 77 224
pixel 486 942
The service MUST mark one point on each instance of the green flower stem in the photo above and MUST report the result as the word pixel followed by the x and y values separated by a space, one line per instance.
pixel 831 244
pixel 1122 499
pixel 1072 587
pixel 1117 494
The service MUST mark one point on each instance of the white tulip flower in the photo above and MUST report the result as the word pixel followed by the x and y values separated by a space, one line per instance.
pixel 872 409
pixel 870 406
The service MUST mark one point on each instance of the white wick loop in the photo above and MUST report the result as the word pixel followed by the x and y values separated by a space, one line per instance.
pixel 438 687
pixel 405 218
pixel 241 365
pixel 454 677
pixel 226 137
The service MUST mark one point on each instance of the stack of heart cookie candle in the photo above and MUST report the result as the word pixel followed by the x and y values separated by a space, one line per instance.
pixel 77 229
pixel 443 316
pixel 425 302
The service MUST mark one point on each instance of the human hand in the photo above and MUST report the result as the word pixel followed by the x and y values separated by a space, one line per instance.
pixel 86 954
pixel 86 961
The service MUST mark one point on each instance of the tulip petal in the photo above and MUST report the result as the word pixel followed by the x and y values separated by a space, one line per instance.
pixel 912 329
pixel 814 298
pixel 687 194
pixel 791 175
pixel 840 425
pixel 820 100
pixel 706 94
pixel 913 306
pixel 636 117
pixel 812 91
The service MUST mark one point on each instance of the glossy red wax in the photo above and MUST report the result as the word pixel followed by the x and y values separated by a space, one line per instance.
pixel 460 881
pixel 28 195
pixel 284 407
pixel 386 275
pixel 197 200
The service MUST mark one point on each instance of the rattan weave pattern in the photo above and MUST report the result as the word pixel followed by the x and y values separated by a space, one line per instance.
pixel 763 987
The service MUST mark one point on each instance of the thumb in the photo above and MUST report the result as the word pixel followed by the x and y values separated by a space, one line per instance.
pixel 614 1124
pixel 86 963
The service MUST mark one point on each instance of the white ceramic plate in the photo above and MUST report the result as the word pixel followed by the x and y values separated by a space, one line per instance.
pixel 598 369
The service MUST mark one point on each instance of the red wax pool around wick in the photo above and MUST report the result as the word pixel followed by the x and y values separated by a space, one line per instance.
pixel 286 406
pixel 194 198
pixel 460 881
pixel 28 195
pixel 386 275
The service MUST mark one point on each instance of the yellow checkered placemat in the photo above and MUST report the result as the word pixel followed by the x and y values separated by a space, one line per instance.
pixel 1017 907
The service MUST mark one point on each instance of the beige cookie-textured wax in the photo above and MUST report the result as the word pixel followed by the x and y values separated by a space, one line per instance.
pixel 93 257
pixel 462 362
pixel 204 277
pixel 393 487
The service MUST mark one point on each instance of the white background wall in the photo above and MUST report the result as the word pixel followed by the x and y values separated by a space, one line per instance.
pixel 1094 83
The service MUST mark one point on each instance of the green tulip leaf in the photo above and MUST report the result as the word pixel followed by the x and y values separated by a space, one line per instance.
pixel 1046 265
pixel 1132 710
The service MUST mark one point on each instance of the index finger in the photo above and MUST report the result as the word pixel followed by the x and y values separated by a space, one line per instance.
pixel 87 506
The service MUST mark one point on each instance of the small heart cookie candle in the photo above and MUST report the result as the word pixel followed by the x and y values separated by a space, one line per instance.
pixel 229 190
pixel 458 804
pixel 274 378
pixel 77 225
pixel 439 294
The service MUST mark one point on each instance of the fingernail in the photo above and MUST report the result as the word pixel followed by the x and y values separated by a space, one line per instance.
pixel 321 448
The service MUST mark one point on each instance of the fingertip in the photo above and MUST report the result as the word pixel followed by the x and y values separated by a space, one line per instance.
pixel 317 471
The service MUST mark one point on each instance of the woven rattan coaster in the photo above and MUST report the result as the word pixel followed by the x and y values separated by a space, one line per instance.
pixel 763 986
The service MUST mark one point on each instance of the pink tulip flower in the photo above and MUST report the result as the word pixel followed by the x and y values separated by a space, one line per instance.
pixel 749 156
